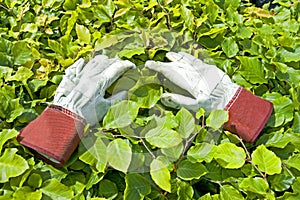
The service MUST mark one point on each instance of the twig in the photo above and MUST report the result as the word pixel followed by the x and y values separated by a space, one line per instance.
pixel 168 16
pixel 151 153
pixel 5 8
pixel 249 159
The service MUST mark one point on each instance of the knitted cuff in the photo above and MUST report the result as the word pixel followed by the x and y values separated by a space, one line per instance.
pixel 248 114
pixel 54 135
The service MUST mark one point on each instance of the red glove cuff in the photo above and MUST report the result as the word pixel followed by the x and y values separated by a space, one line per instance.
pixel 54 135
pixel 248 114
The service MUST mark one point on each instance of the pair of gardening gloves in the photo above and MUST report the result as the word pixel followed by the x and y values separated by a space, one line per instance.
pixel 79 100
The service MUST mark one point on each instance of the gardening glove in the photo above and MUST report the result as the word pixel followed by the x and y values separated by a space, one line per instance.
pixel 210 88
pixel 79 100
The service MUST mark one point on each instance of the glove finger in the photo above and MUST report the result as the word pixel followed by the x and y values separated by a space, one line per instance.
pixel 119 96
pixel 75 69
pixel 114 71
pixel 64 88
pixel 189 59
pixel 96 65
pixel 176 72
pixel 168 69
pixel 177 101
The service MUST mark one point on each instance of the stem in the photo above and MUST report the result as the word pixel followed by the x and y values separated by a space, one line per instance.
pixel 168 16
pixel 5 8
pixel 21 17
pixel 250 160
pixel 287 169
pixel 28 90
pixel 153 156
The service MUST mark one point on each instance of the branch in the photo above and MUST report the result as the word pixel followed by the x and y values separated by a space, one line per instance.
pixel 5 8
pixel 151 153
pixel 168 15
pixel 249 159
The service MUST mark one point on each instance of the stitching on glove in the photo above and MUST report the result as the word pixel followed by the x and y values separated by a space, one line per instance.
pixel 234 98
pixel 68 113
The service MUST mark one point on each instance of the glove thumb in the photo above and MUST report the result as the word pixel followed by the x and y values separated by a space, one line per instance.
pixel 177 101
pixel 119 96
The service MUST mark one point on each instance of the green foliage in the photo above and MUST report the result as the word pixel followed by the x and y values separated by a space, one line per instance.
pixel 143 150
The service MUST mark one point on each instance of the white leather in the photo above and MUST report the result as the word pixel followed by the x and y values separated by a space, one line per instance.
pixel 83 87
pixel 210 87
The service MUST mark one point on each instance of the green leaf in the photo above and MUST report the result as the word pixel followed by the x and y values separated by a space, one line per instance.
pixel 83 34
pixel 129 53
pixel 185 190
pixel 21 53
pixel 230 47
pixel 27 193
pixel 278 139
pixel 147 95
pixel 201 152
pixel 256 185
pixel 173 153
pixel 121 114
pixel 70 4
pixel 96 155
pixel 230 156
pixel 252 69
pixel 137 187
pixel 163 137
pixel 29 27
pixel 107 189
pixel 186 123
pixel 281 182
pixel 289 56
pixel 160 175
pixel 293 161
pixel 187 170
pixel 5 135
pixel 106 41
pixel 36 84
pixel 217 118
pixel 229 192
pixel 296 124
pixel 22 74
pixel 35 180
pixel 11 165
pixel 266 160
pixel 56 190
pixel 119 154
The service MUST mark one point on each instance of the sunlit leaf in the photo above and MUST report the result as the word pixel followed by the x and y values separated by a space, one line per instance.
pixel 163 137
pixel 119 154
pixel 96 155
pixel 11 165
pixel 252 69
pixel 256 185
pixel 6 135
pixel 217 118
pixel 230 156
pixel 83 34
pixel 121 114
pixel 230 47
pixel 160 174
pixel 56 190
pixel 266 160
pixel 137 187
pixel 186 123
pixel 188 170
pixel 201 152
pixel 229 192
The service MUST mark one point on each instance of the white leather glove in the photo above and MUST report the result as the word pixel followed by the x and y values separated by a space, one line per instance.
pixel 83 88
pixel 209 87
